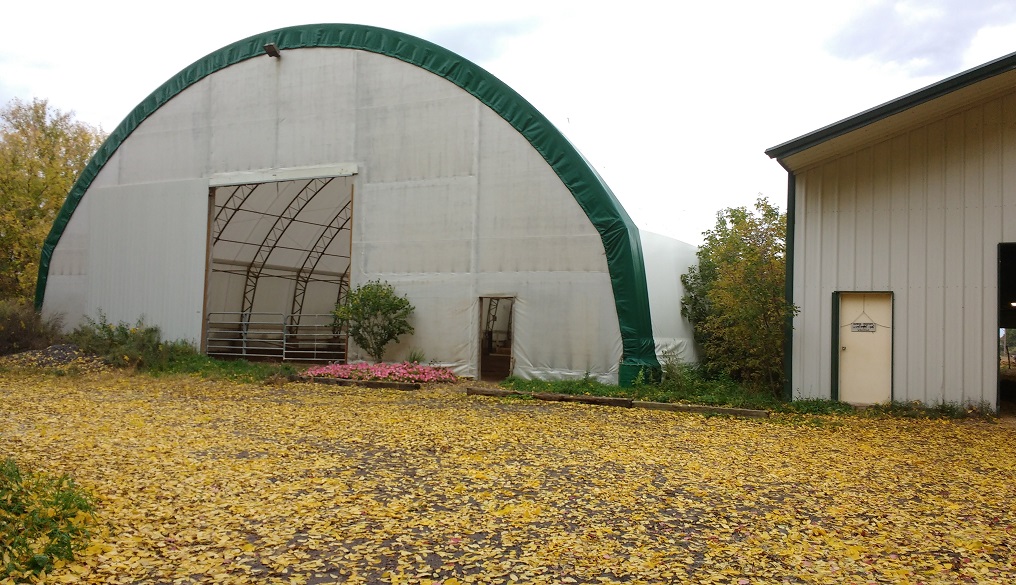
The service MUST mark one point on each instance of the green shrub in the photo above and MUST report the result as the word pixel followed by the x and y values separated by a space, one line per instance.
pixel 41 519
pixel 917 409
pixel 23 329
pixel 376 315
pixel 138 346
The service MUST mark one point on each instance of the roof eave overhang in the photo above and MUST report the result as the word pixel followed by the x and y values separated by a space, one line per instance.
pixel 785 153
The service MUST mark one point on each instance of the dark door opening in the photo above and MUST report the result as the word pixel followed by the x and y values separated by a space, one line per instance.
pixel 1007 329
pixel 496 361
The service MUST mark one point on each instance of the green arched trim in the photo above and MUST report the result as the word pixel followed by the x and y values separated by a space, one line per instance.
pixel 620 237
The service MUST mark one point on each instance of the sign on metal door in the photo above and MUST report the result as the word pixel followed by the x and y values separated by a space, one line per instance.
pixel 862 327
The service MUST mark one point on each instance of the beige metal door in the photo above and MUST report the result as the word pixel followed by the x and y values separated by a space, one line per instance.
pixel 866 343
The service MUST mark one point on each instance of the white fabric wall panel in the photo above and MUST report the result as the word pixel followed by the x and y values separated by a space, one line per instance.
pixel 422 226
pixel 243 115
pixel 170 145
pixel 383 82
pixel 109 175
pixel 317 108
pixel 418 140
pixel 920 215
pixel 528 220
pixel 68 272
pixel 666 260
pixel 147 248
pixel 563 326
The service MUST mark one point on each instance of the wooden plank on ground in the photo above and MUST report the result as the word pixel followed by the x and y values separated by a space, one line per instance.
pixel 742 412
pixel 361 383
pixel 584 399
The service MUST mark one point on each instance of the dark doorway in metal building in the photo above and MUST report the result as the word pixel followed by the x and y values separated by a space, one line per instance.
pixel 1007 328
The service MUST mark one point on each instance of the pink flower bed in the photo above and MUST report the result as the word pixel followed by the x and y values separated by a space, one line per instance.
pixel 404 372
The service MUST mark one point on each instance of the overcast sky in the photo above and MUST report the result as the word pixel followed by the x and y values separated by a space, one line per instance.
pixel 673 106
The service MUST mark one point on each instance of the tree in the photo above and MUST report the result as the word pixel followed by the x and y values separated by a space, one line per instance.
pixel 1006 343
pixel 376 316
pixel 734 298
pixel 42 151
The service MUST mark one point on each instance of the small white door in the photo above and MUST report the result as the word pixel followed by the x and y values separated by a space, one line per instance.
pixel 866 344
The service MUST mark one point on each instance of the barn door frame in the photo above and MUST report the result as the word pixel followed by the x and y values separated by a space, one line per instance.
pixel 835 347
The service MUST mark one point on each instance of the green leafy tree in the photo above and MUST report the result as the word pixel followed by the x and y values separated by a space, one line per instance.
pixel 735 296
pixel 42 151
pixel 1007 345
pixel 376 315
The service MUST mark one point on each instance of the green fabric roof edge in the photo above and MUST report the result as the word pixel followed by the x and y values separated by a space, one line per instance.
pixel 620 237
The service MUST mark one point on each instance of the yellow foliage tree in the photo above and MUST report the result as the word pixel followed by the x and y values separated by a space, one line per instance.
pixel 42 151
pixel 735 296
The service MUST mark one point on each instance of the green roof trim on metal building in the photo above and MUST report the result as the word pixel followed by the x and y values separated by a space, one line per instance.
pixel 890 108
pixel 618 233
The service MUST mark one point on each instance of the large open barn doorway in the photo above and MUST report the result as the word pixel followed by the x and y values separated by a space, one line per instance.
pixel 1007 328
pixel 278 264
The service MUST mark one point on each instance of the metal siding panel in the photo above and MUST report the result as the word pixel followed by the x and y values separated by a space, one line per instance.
pixel 1008 214
pixel 865 222
pixel 881 206
pixel 846 224
pixel 801 253
pixel 898 252
pixel 814 376
pixel 935 263
pixel 973 230
pixel 914 330
pixel 954 241
pixel 828 268
pixel 991 228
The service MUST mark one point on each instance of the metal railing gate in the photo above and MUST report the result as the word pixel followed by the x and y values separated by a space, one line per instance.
pixel 277 336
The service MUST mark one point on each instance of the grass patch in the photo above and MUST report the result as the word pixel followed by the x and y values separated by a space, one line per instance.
pixel 689 384
pixel 942 410
pixel 42 520
pixel 140 346
pixel 683 384
pixel 215 369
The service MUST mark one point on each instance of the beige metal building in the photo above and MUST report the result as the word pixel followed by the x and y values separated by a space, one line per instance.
pixel 240 201
pixel 899 255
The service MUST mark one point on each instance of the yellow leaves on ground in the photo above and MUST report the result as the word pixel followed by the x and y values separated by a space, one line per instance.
pixel 211 482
